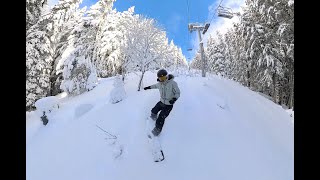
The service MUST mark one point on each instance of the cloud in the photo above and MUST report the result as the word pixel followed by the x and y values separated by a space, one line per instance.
pixel 217 23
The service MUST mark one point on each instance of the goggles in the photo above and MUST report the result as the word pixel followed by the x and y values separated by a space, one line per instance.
pixel 162 78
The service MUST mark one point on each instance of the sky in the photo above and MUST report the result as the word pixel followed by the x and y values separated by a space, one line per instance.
pixel 174 16
pixel 225 132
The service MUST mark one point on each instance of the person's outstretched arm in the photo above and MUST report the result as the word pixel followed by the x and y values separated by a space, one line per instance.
pixel 154 86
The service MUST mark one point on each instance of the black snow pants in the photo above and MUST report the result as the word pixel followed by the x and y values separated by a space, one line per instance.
pixel 164 112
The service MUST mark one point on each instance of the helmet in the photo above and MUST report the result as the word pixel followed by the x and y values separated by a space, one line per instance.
pixel 162 73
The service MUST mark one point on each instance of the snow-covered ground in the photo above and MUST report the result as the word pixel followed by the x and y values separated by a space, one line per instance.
pixel 217 129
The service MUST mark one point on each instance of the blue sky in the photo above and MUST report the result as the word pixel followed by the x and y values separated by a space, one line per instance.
pixel 172 15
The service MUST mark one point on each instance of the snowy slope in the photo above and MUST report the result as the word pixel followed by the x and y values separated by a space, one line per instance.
pixel 218 129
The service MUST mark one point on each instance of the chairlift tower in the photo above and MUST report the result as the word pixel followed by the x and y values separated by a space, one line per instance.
pixel 203 28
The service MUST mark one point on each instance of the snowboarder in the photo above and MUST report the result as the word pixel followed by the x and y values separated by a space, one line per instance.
pixel 169 93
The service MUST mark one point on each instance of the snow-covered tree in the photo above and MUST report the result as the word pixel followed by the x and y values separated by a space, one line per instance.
pixel 79 72
pixel 181 59
pixel 215 55
pixel 38 61
pixel 109 57
pixel 146 46
pixel 42 44
pixel 196 63
pixel 67 47
pixel 34 10
pixel 258 51
pixel 273 23
pixel 66 16
pixel 285 44
pixel 176 59
pixel 107 49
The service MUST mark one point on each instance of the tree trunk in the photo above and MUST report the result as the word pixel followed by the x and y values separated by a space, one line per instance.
pixel 248 79
pixel 123 73
pixel 140 82
pixel 122 76
pixel 291 84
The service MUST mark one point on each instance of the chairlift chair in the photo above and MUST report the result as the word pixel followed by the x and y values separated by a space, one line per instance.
pixel 224 12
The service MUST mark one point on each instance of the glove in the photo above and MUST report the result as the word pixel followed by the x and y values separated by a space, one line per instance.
pixel 148 87
pixel 173 100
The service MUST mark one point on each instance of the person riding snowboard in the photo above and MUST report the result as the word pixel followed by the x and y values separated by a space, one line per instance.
pixel 169 93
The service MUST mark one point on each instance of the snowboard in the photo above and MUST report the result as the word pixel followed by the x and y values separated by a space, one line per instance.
pixel 154 142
